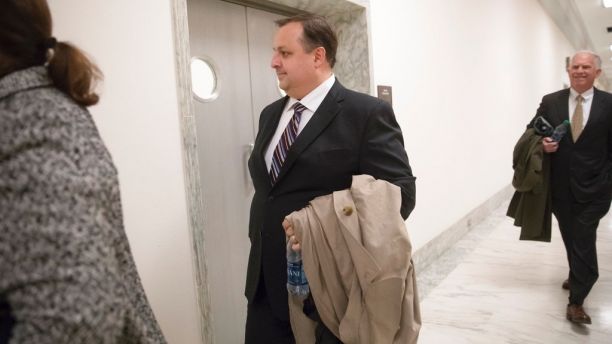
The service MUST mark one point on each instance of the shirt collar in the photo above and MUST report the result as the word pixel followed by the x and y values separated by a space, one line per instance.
pixel 313 99
pixel 586 94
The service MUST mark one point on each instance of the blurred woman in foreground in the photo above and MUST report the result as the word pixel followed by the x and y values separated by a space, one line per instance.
pixel 66 271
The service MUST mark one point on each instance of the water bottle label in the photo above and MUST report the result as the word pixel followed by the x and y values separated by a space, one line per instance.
pixel 295 274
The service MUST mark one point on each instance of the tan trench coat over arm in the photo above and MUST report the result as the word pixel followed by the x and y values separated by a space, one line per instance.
pixel 357 258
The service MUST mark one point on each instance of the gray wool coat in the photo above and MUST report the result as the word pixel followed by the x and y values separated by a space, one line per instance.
pixel 67 274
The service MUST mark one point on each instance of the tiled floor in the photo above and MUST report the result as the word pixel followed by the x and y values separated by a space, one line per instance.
pixel 492 288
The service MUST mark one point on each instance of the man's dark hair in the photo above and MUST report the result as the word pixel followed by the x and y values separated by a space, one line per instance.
pixel 317 33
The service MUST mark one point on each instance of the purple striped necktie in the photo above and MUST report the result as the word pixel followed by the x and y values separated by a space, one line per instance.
pixel 286 140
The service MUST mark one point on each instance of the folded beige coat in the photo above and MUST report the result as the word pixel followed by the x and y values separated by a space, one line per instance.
pixel 357 259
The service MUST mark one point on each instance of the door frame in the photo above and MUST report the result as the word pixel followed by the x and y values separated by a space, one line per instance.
pixel 350 18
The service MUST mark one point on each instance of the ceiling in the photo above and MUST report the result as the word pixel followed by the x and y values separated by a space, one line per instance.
pixel 584 23
pixel 596 20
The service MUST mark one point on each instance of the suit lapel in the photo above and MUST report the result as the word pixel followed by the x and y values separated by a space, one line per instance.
pixel 272 117
pixel 596 109
pixel 327 111
pixel 563 107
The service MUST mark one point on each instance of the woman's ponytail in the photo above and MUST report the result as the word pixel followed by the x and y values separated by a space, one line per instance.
pixel 73 73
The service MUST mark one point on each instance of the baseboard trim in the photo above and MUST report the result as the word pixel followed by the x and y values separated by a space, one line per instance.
pixel 430 252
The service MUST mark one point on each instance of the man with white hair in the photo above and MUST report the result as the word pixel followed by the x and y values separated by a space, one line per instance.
pixel 581 172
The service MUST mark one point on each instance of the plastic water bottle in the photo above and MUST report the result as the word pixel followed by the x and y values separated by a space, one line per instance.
pixel 560 131
pixel 296 278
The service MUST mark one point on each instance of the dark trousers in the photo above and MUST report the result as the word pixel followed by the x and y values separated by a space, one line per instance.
pixel 578 225
pixel 262 325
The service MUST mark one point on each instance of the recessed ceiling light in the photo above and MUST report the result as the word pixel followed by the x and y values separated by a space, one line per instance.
pixel 607 3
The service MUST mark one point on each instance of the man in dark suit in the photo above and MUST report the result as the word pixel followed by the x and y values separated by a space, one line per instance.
pixel 307 151
pixel 581 179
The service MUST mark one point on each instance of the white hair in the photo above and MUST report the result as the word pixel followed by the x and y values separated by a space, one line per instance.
pixel 595 57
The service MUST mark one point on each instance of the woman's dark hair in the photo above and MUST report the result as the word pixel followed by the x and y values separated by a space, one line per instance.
pixel 317 33
pixel 26 41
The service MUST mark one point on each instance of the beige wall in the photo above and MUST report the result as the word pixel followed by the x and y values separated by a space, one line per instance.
pixel 467 76
pixel 138 119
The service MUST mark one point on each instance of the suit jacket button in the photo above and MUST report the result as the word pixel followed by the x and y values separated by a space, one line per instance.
pixel 270 198
pixel 348 210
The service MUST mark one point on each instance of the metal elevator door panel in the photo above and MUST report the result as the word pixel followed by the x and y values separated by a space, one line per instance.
pixel 264 84
pixel 237 42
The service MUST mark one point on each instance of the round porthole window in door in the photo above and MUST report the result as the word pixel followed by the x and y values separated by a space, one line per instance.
pixel 203 79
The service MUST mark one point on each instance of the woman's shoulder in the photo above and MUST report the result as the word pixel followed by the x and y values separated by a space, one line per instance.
pixel 45 111
pixel 50 120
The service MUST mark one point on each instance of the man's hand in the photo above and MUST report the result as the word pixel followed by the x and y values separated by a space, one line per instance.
pixel 295 244
pixel 549 145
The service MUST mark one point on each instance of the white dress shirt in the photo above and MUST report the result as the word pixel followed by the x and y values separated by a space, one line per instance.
pixel 311 101
pixel 586 104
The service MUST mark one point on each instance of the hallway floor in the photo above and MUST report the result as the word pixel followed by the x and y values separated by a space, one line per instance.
pixel 491 288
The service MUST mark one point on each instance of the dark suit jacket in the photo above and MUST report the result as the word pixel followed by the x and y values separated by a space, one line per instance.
pixel 581 170
pixel 349 134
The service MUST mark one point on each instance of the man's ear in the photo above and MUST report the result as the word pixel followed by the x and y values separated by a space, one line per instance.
pixel 320 56
pixel 598 73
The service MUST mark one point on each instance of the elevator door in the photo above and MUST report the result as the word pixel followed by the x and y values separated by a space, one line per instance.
pixel 237 42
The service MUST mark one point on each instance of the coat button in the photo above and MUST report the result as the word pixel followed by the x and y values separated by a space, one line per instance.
pixel 348 210
pixel 270 198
